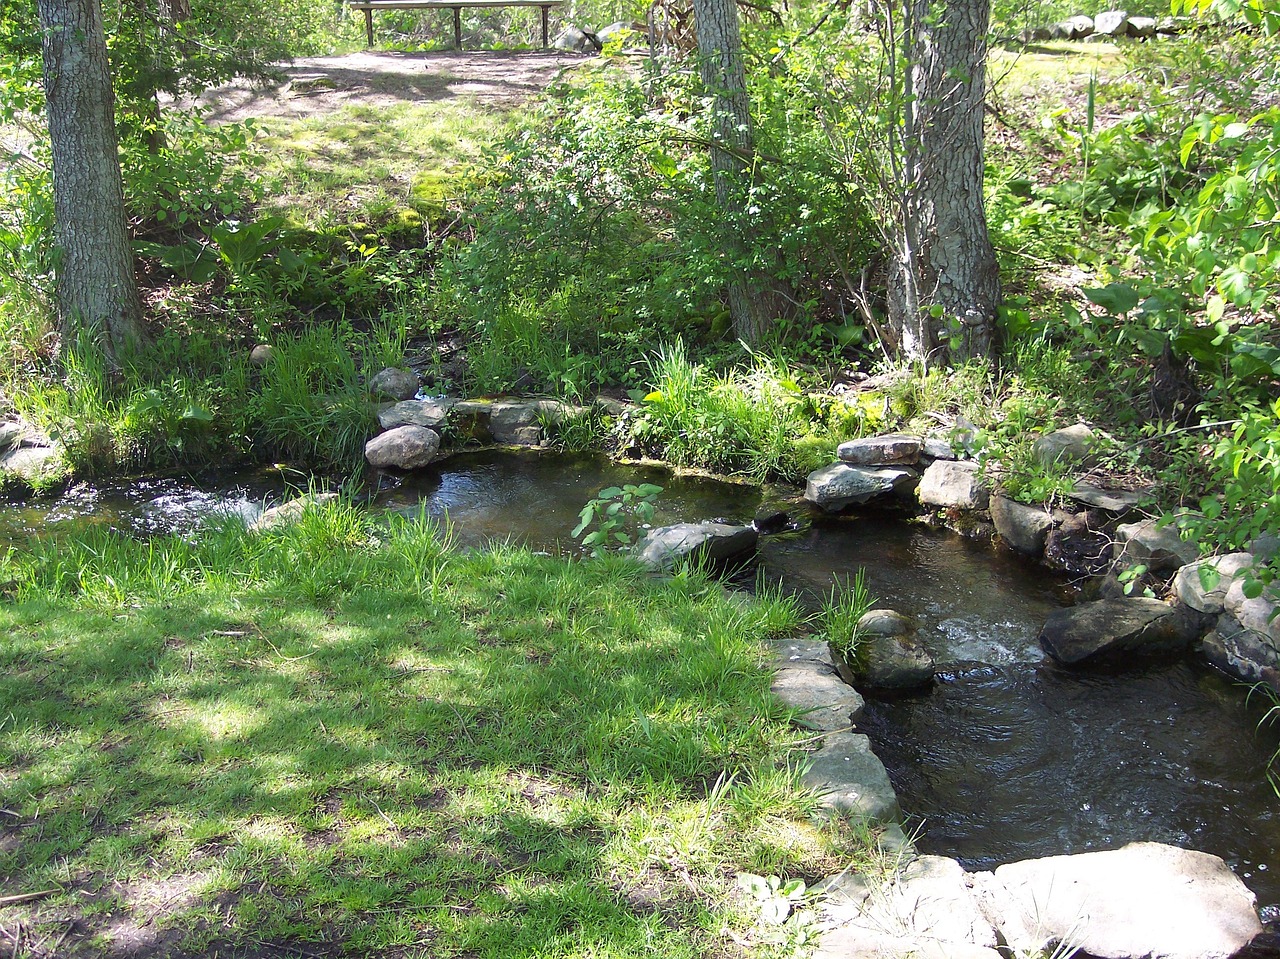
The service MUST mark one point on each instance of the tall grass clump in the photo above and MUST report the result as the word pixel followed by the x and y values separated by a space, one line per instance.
pixel 844 606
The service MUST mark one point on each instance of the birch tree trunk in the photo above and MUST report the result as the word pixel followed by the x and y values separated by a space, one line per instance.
pixel 944 284
pixel 753 296
pixel 96 286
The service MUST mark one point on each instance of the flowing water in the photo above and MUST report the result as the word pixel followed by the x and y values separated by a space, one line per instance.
pixel 1007 757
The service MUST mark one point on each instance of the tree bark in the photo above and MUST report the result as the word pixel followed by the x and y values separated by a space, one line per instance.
pixel 944 282
pixel 753 296
pixel 97 289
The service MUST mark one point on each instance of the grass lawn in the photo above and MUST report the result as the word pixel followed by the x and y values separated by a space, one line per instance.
pixel 347 738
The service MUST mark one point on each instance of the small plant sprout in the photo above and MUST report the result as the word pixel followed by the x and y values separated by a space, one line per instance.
pixel 774 898
pixel 618 513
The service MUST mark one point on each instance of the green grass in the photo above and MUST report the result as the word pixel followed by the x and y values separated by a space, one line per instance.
pixel 340 738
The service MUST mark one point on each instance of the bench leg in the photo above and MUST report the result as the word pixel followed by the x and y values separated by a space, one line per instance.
pixel 368 26
pixel 457 28
pixel 544 28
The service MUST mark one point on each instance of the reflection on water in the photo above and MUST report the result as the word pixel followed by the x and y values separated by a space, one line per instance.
pixel 1008 756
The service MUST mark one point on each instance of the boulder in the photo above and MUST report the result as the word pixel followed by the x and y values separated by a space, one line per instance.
pixel 1143 27
pixel 718 542
pixel 405 447
pixel 1257 615
pixel 620 31
pixel 571 40
pixel 1111 500
pixel 849 779
pixel 1144 900
pixel 289 512
pixel 1112 23
pixel 1078 27
pixel 840 485
pixel 1207 592
pixel 261 355
pixel 1113 627
pixel 1072 444
pixel 938 448
pixel 428 413
pixel 888 450
pixel 813 687
pixel 1243 653
pixel 519 422
pixel 35 466
pixel 894 662
pixel 1265 546
pixel 926 911
pixel 1023 528
pixel 11 434
pixel 1079 544
pixel 394 383
pixel 771 519
pixel 1159 548
pixel 948 483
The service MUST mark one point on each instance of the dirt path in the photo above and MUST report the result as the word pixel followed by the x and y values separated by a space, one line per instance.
pixel 316 86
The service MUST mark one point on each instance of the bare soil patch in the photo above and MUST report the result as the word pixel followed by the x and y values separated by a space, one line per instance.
pixel 316 86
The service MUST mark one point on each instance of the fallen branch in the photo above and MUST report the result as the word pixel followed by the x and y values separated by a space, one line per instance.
pixel 26 897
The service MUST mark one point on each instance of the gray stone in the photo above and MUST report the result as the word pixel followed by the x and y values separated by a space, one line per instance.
pixel 803 651
pixel 771 519
pixel 289 512
pixel 1144 900
pixel 848 778
pixel 1111 500
pixel 261 355
pixel 954 484
pixel 893 662
pixel 1024 528
pixel 10 434
pixel 405 447
pixel 1257 615
pixel 1078 27
pixel 621 31
pixel 397 384
pixel 840 485
pixel 1266 546
pixel 1239 652
pixel 1189 584
pixel 825 700
pixel 519 422
pixel 888 450
pixel 429 413
pixel 1143 27
pixel 1072 444
pixel 713 541
pixel 1112 23
pixel 36 466
pixel 927 910
pixel 885 622
pixel 1112 627
pixel 938 448
pixel 1159 548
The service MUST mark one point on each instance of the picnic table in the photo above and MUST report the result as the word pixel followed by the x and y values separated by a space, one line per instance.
pixel 368 6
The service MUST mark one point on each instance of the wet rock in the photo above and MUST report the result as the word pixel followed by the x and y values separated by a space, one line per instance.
pixel 428 413
pixel 394 383
pixel 405 447
pixel 289 512
pixel 1113 627
pixel 261 355
pixel 1069 445
pixel 927 910
pixel 1112 23
pixel 1079 544
pixel 888 450
pixel 1206 592
pixel 840 485
pixel 1159 548
pixel 814 687
pixel 850 779
pixel 1243 653
pixel 887 655
pixel 717 542
pixel 1113 501
pixel 960 484
pixel 771 519
pixel 1023 528
pixel 1144 900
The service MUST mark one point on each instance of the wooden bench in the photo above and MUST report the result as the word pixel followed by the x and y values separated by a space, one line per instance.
pixel 368 6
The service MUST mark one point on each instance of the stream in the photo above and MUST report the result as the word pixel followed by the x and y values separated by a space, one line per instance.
pixel 1007 757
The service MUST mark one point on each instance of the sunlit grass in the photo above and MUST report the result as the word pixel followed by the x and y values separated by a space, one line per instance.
pixel 345 737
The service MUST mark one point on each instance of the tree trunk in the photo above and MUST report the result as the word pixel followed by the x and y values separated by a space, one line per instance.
pixel 944 283
pixel 753 296
pixel 97 289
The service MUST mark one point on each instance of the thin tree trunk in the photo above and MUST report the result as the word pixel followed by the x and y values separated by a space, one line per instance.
pixel 97 289
pixel 944 282
pixel 753 296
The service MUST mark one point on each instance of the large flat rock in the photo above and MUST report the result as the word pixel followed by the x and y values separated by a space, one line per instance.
pixel 958 484
pixel 1144 901
pixel 891 449
pixel 718 542
pixel 850 779
pixel 825 701
pixel 840 485
pixel 1116 627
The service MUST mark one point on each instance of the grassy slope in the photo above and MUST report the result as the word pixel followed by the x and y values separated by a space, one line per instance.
pixel 332 740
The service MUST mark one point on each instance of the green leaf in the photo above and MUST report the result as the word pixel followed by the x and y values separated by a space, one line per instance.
pixel 1116 298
